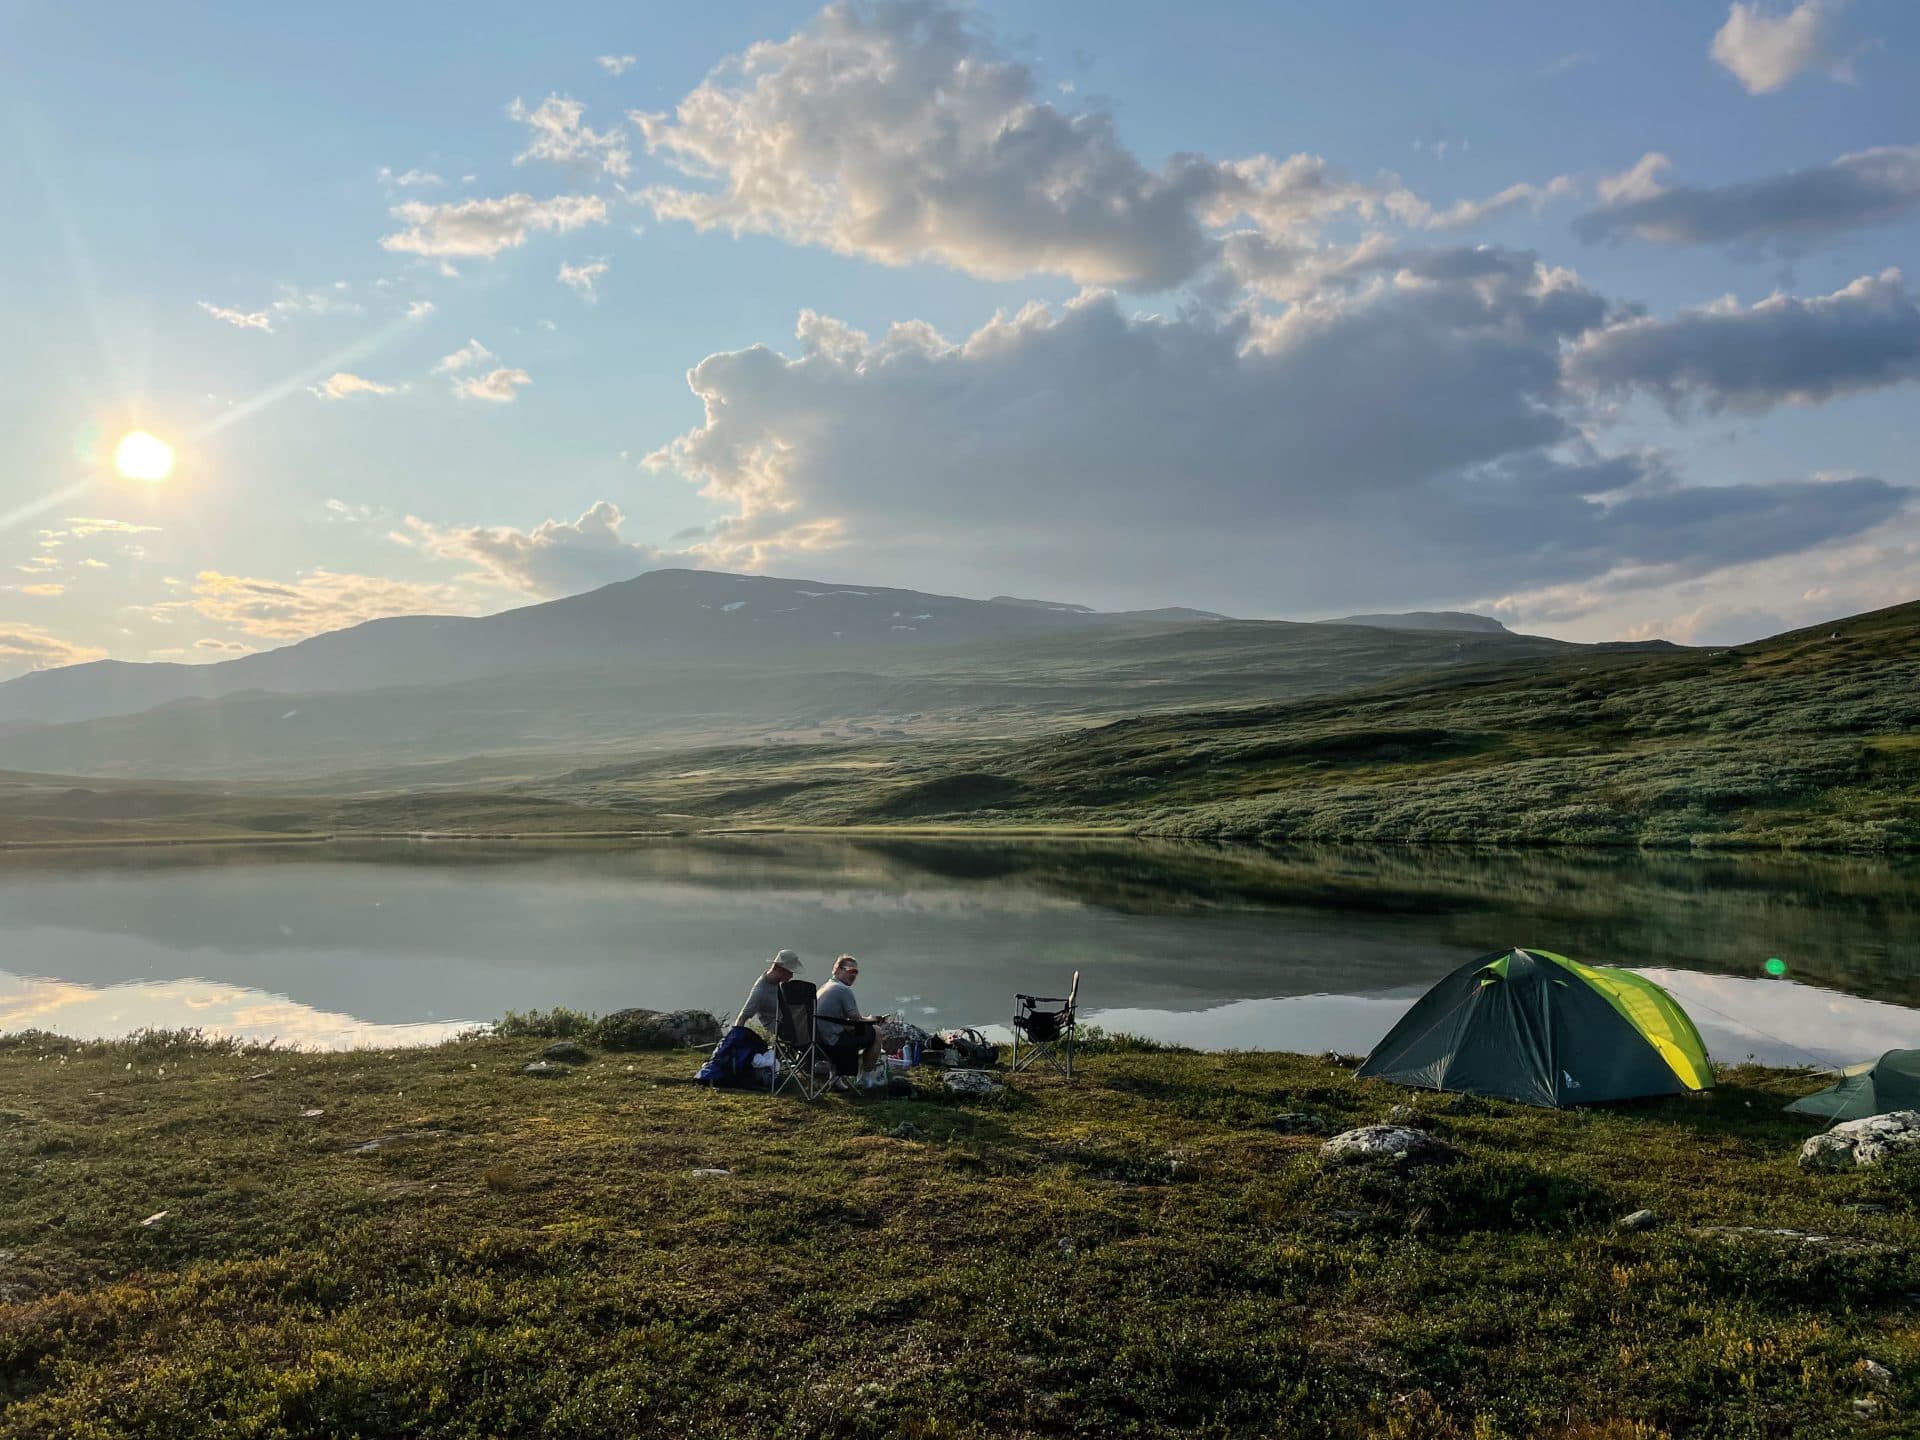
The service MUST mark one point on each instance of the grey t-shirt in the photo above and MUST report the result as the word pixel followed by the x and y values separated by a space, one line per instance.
pixel 834 1003
pixel 762 1003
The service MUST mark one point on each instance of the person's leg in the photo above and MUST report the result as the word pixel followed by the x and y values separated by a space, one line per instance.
pixel 870 1057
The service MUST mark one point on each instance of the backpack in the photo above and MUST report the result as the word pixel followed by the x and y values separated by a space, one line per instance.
pixel 972 1049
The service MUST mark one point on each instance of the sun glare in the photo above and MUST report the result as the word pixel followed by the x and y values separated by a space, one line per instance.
pixel 140 456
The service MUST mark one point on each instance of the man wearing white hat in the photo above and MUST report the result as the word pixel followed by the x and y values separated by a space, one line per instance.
pixel 753 1027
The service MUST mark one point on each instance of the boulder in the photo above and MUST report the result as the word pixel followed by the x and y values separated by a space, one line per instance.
pixel 1403 1115
pixel 567 1052
pixel 656 1029
pixel 1877 1376
pixel 1861 1144
pixel 709 1172
pixel 1299 1122
pixel 545 1070
pixel 1638 1220
pixel 1393 1144
pixel 977 1083
pixel 907 1130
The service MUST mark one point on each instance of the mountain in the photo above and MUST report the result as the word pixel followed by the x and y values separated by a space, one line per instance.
pixel 665 615
pixel 1448 620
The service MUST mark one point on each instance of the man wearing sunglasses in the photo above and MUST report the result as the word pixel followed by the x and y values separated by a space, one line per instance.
pixel 850 1038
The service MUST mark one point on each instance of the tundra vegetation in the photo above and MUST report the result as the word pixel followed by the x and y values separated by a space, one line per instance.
pixel 204 1239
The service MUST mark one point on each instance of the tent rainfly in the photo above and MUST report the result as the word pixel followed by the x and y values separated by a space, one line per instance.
pixel 1536 1027
pixel 1890 1083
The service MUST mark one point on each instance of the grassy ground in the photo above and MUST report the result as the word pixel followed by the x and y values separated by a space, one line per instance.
pixel 1141 1253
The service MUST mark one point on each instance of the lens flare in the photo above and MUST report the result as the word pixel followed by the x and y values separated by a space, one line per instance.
pixel 1775 966
pixel 140 456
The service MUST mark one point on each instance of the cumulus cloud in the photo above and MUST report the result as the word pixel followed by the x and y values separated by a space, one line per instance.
pixel 1764 50
pixel 481 229
pixel 1783 350
pixel 1468 213
pixel 903 132
pixel 341 384
pixel 562 137
pixel 465 358
pixel 556 557
pixel 1397 442
pixel 318 601
pixel 27 647
pixel 244 319
pixel 582 278
pixel 497 387
pixel 616 65
pixel 1785 214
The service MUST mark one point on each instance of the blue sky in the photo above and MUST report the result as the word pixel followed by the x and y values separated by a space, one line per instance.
pixel 1286 386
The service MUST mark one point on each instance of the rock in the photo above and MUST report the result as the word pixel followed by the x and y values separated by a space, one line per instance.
pixel 393 1139
pixel 1813 1240
pixel 1299 1122
pixel 155 1218
pixel 1861 1144
pixel 1395 1144
pixel 710 1172
pixel 907 1130
pixel 1403 1115
pixel 1068 1247
pixel 977 1083
pixel 1866 1406
pixel 311 1114
pixel 1465 1104
pixel 545 1070
pixel 567 1052
pixel 656 1029
pixel 1638 1220
pixel 261 1075
pixel 1877 1376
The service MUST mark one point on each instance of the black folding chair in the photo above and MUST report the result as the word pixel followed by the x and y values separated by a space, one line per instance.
pixel 797 1052
pixel 1047 1024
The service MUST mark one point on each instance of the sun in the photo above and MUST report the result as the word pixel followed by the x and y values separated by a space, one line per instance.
pixel 140 456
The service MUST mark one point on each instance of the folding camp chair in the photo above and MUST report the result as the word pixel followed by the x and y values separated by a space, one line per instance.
pixel 797 1052
pixel 1047 1023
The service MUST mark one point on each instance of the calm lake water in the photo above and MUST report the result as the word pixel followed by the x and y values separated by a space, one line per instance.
pixel 398 943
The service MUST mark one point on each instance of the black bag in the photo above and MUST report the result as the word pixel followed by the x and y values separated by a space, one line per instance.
pixel 972 1049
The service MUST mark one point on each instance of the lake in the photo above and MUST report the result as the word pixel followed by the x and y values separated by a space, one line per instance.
pixel 398 943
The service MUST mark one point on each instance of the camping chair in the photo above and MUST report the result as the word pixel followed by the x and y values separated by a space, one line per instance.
pixel 1047 1023
pixel 797 1052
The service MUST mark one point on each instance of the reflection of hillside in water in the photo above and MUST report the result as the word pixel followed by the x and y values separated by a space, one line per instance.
pixel 404 932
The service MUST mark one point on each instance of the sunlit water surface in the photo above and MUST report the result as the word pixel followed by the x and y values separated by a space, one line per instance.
pixel 1321 950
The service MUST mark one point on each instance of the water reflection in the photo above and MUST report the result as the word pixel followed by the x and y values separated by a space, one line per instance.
pixel 1309 950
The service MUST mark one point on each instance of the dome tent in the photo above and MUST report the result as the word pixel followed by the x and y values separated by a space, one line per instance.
pixel 1890 1083
pixel 1536 1027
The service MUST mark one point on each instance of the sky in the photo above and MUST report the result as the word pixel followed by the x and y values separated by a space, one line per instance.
pixel 1591 318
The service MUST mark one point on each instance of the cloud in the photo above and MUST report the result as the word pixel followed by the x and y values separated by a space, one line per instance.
pixel 498 387
pixel 615 65
pixel 465 358
pixel 419 309
pixel 902 132
pixel 561 137
pixel 318 601
pixel 246 320
pixel 44 589
pixel 225 647
pixel 1783 350
pixel 1787 214
pixel 27 647
pixel 556 557
pixel 581 278
pixel 1468 213
pixel 409 179
pixel 1763 51
pixel 340 385
pixel 1397 443
pixel 85 525
pixel 481 229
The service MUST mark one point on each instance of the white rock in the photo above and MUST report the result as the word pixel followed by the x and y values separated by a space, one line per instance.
pixel 971 1082
pixel 1861 1144
pixel 1877 1376
pixel 710 1172
pixel 1383 1142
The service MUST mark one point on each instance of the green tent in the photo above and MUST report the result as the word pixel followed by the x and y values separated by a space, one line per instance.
pixel 1536 1027
pixel 1890 1083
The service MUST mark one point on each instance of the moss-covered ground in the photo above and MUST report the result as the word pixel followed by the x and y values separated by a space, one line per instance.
pixel 199 1240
